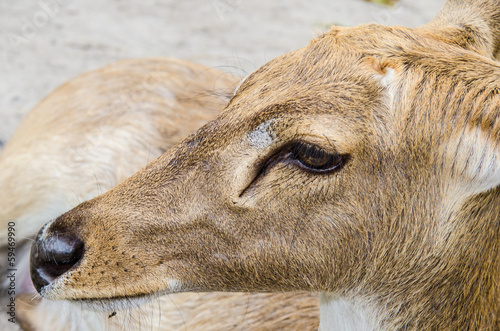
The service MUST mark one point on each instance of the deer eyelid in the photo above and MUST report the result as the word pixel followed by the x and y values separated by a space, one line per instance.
pixel 295 154
pixel 314 158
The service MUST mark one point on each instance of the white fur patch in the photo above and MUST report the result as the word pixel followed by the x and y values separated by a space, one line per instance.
pixel 473 162
pixel 389 77
pixel 387 81
pixel 263 136
pixel 339 314
pixel 174 285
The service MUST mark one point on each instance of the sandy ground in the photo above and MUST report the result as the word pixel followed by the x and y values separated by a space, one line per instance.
pixel 46 42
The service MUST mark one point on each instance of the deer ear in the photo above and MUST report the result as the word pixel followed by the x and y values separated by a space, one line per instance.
pixel 472 24
pixel 472 162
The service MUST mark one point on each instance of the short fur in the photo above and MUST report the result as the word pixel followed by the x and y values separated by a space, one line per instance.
pixel 406 230
pixel 86 137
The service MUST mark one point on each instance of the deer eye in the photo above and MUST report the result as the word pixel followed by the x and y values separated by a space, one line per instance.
pixel 315 158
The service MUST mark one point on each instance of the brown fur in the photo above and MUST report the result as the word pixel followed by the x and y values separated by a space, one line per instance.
pixel 91 134
pixel 407 229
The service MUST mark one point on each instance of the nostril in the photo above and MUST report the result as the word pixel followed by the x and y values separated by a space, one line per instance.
pixel 53 256
pixel 58 255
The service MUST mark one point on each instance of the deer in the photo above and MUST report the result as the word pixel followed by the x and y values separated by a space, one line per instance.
pixel 84 138
pixel 363 167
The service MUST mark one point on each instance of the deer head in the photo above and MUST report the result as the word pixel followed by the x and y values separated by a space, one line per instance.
pixel 364 166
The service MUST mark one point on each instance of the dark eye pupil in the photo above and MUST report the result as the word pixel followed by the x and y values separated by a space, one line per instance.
pixel 315 158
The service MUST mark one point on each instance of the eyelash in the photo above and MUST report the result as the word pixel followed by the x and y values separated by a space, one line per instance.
pixel 298 154
pixel 314 158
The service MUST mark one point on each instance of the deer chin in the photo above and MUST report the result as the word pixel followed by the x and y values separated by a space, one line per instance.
pixel 113 304
pixel 123 301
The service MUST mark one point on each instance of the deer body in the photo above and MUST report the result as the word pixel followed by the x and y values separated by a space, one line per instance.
pixel 364 166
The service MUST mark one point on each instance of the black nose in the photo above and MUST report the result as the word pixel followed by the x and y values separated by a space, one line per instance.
pixel 52 255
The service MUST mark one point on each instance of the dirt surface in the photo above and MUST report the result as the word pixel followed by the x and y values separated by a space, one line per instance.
pixel 46 42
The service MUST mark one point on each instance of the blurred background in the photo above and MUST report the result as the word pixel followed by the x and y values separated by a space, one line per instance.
pixel 46 42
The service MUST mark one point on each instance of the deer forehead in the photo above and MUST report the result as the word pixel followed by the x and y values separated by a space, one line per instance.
pixel 353 74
